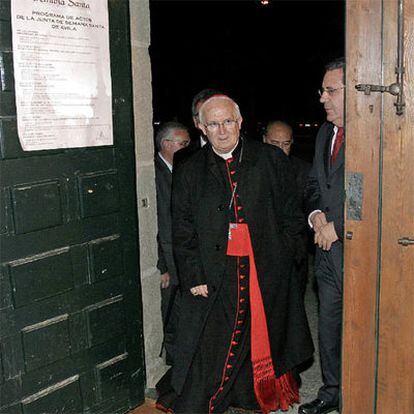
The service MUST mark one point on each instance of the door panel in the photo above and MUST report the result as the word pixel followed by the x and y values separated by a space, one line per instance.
pixel 70 305
pixel 363 114
pixel 378 374
pixel 396 302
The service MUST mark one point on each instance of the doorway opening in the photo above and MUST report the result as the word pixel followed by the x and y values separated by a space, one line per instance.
pixel 268 56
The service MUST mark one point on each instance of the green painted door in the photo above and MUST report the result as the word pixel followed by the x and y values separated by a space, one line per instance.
pixel 70 306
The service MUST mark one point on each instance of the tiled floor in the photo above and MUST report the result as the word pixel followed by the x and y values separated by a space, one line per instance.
pixel 147 408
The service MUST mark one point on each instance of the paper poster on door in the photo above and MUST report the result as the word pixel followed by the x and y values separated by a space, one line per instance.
pixel 62 73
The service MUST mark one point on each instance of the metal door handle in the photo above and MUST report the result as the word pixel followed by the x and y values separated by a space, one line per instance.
pixel 393 89
pixel 406 241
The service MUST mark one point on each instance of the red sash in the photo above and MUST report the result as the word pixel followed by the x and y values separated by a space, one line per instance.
pixel 272 393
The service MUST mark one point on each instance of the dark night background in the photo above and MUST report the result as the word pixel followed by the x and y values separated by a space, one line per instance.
pixel 270 59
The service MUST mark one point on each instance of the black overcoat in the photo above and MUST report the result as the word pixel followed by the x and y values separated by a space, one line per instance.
pixel 200 205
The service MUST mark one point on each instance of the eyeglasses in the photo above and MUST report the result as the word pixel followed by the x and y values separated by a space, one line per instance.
pixel 182 144
pixel 227 124
pixel 329 91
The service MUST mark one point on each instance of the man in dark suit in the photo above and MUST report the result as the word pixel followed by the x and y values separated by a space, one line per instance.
pixel 242 327
pixel 171 137
pixel 201 140
pixel 280 134
pixel 325 196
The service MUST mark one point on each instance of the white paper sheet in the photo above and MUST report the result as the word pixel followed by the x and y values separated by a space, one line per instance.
pixel 62 73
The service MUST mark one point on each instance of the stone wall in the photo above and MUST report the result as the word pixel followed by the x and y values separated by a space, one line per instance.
pixel 147 217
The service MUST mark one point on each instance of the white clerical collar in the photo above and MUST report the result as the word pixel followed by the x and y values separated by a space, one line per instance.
pixel 226 155
pixel 202 141
pixel 170 167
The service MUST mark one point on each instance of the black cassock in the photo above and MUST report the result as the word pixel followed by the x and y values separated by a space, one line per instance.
pixel 256 186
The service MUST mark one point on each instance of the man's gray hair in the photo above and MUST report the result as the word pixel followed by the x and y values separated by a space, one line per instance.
pixel 201 110
pixel 165 132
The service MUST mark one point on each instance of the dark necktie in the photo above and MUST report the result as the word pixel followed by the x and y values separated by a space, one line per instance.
pixel 338 144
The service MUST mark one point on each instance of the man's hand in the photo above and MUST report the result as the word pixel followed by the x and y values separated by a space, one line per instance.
pixel 165 280
pixel 200 290
pixel 325 236
pixel 318 220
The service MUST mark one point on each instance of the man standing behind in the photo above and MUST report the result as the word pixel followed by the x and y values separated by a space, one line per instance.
pixel 242 326
pixel 280 134
pixel 325 196
pixel 171 137
pixel 201 140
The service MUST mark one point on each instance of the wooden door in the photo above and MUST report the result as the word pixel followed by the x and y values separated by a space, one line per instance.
pixel 70 307
pixel 395 381
pixel 378 342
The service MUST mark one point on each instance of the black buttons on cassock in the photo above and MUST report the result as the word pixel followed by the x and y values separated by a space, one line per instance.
pixel 328 186
pixel 327 209
pixel 220 207
pixel 217 247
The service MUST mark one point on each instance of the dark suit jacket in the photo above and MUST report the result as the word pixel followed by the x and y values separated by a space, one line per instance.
pixel 184 154
pixel 163 181
pixel 301 170
pixel 325 190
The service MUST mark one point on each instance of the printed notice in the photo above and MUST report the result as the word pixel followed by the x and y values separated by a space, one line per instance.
pixel 62 73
